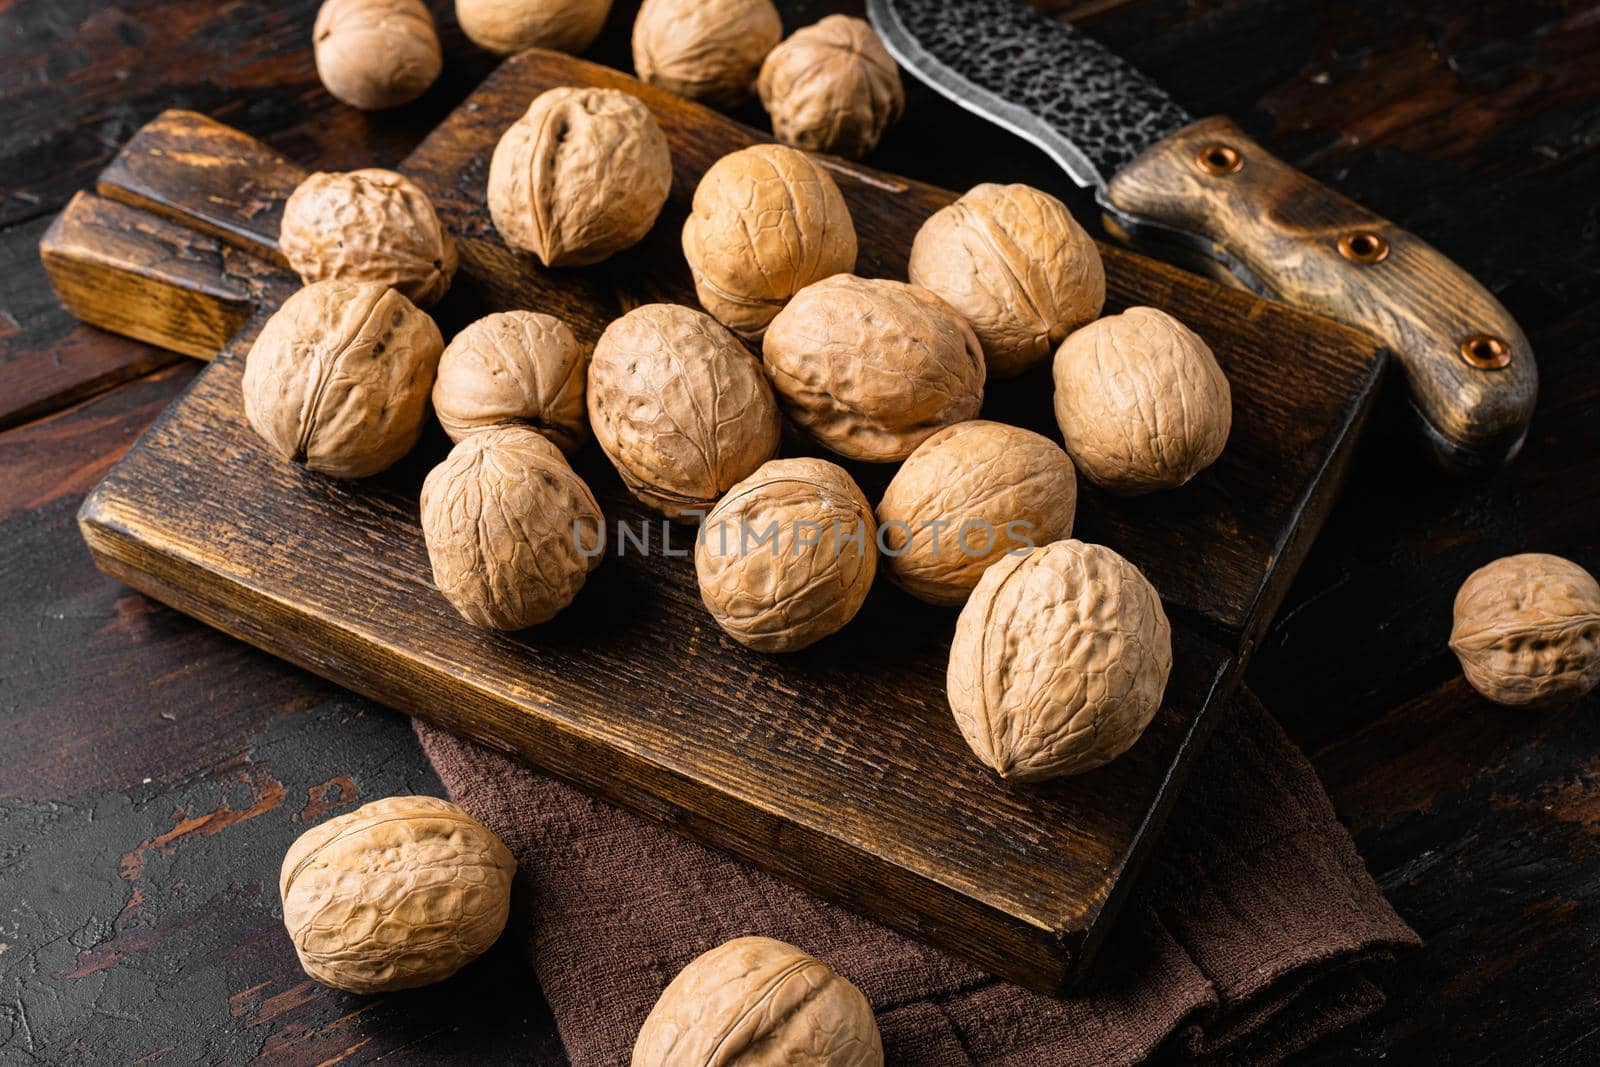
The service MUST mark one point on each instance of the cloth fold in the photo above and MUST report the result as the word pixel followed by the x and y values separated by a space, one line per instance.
pixel 1254 931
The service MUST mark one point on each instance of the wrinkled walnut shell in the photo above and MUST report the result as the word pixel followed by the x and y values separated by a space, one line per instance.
pixel 708 50
pixel 514 368
pixel 831 87
pixel 375 54
pixel 1527 630
pixel 507 26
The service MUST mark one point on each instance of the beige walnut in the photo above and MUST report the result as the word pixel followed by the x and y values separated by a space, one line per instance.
pixel 758 1001
pixel 514 367
pixel 338 378
pixel 507 26
pixel 1141 402
pixel 1527 630
pixel 708 50
pixel 1059 661
pixel 512 531
pixel 680 407
pixel 787 557
pixel 1017 265
pixel 375 54
pixel 871 368
pixel 401 892
pixel 967 496
pixel 579 177
pixel 832 87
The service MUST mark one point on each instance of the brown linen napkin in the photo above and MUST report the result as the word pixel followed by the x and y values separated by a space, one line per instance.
pixel 1252 933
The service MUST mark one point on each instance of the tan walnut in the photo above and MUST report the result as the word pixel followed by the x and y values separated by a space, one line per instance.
pixel 507 26
pixel 368 226
pixel 767 222
pixel 968 496
pixel 512 531
pixel 759 1001
pixel 787 557
pixel 579 177
pixel 514 367
pixel 401 892
pixel 708 50
pixel 338 378
pixel 871 368
pixel 680 407
pixel 375 54
pixel 1059 661
pixel 1017 265
pixel 831 87
pixel 1141 402
pixel 1527 630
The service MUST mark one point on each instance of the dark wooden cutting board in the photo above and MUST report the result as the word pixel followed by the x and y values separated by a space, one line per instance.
pixel 838 768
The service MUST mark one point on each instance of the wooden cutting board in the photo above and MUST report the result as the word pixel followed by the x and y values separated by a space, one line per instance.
pixel 838 768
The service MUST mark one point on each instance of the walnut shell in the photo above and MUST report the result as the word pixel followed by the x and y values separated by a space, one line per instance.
pixel 872 368
pixel 1527 630
pixel 507 26
pixel 338 378
pixel 755 1000
pixel 1141 402
pixel 399 893
pixel 1059 662
pixel 368 226
pixel 375 54
pixel 1015 263
pixel 967 496
pixel 767 222
pixel 514 367
pixel 832 87
pixel 579 177
pixel 512 531
pixel 680 407
pixel 708 50
pixel 788 555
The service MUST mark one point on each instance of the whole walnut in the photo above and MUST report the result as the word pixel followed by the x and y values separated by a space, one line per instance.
pixel 872 368
pixel 375 54
pixel 1059 661
pixel 514 367
pixel 767 222
pixel 758 1001
pixel 1527 630
pixel 512 531
pixel 1017 265
pixel 680 407
pixel 708 50
pixel 399 893
pixel 1141 402
pixel 582 175
pixel 368 226
pixel 507 26
pixel 831 87
pixel 967 496
pixel 338 378
pixel 788 555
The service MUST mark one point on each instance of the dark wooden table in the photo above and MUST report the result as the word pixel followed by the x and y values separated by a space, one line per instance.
pixel 152 771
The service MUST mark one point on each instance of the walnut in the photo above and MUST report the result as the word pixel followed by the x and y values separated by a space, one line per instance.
pixel 1017 265
pixel 708 50
pixel 338 378
pixel 507 26
pixel 967 496
pixel 582 175
pixel 680 407
pixel 754 1001
pixel 1141 402
pixel 1059 661
pixel 831 87
pixel 368 226
pixel 399 893
pixel 1527 630
pixel 787 556
pixel 872 368
pixel 375 54
pixel 518 367
pixel 512 531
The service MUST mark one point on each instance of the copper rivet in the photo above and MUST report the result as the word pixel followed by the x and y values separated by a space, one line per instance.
pixel 1218 158
pixel 1486 352
pixel 1364 246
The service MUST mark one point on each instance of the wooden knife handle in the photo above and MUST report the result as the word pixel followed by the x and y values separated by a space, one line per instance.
pixel 1471 371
